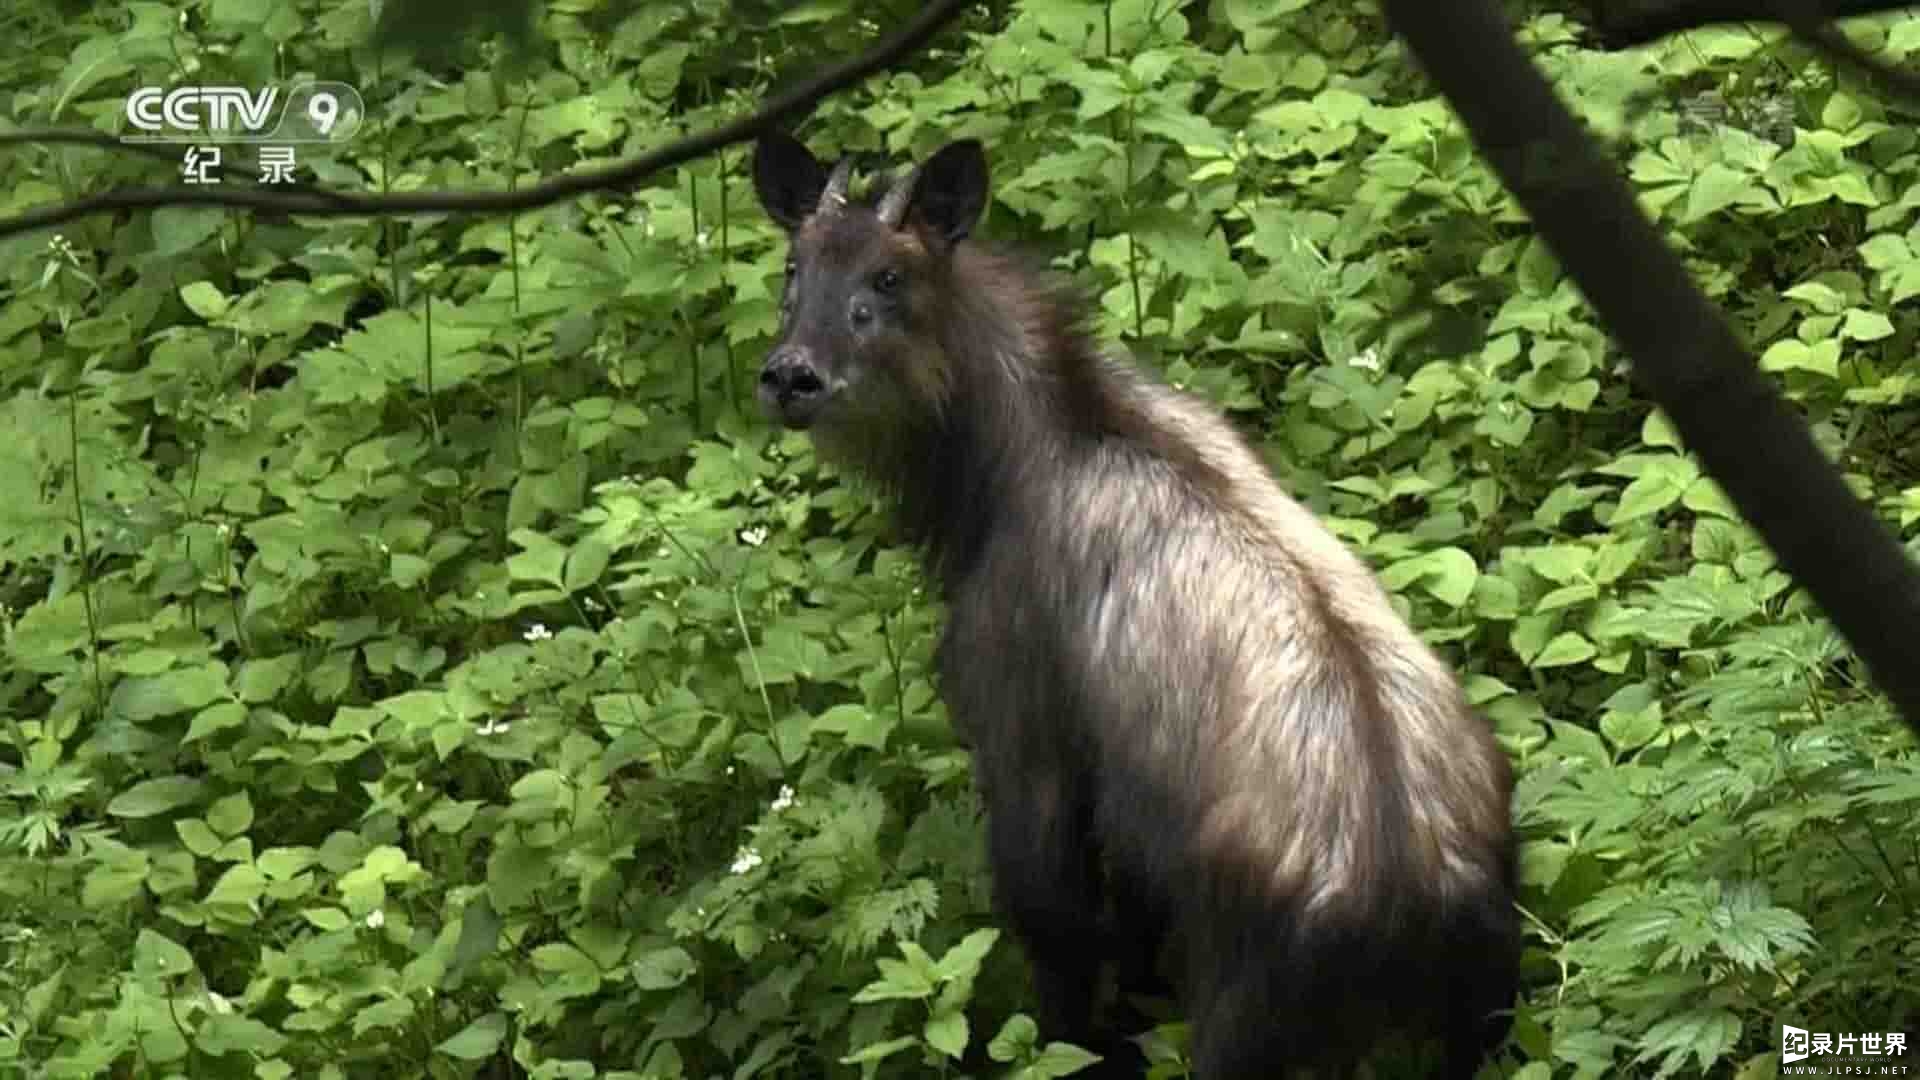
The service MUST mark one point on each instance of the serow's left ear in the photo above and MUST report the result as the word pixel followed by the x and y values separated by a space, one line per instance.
pixel 950 190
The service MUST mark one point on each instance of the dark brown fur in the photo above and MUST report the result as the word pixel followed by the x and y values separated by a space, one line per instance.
pixel 1188 701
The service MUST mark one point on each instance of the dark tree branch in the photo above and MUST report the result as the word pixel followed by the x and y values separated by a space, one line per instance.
pixel 1684 353
pixel 323 202
pixel 1622 24
pixel 1809 23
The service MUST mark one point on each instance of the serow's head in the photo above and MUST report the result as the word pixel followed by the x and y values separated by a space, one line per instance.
pixel 868 288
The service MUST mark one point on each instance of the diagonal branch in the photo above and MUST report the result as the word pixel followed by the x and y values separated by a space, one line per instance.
pixel 324 202
pixel 1685 355
pixel 1809 23
pixel 1622 24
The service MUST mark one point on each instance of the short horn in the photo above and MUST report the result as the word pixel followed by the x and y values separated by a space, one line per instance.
pixel 893 208
pixel 835 195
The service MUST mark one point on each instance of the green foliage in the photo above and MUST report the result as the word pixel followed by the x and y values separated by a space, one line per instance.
pixel 417 656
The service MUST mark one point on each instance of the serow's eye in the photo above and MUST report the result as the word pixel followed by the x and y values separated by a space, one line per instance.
pixel 886 281
pixel 791 266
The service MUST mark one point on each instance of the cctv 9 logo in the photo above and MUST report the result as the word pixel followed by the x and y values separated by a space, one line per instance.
pixel 313 112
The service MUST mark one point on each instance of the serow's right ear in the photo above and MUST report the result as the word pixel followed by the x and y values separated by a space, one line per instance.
pixel 788 178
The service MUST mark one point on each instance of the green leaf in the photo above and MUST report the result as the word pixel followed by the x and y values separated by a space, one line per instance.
pixel 434 28
pixel 1659 487
pixel 261 680
pixel 1703 1034
pixel 228 1033
pixel 898 981
pixel 543 560
pixel 215 718
pixel 663 969
pixel 284 862
pixel 240 886
pixel 1567 596
pixel 204 300
pixel 1821 357
pixel 1632 730
pixel 157 956
pixel 877 1051
pixel 1016 1038
pixel 783 655
pixel 200 839
pixel 143 698
pixel 947 1033
pixel 478 1040
pixel 327 918
pixel 963 960
pixel 859 725
pixel 1566 648
pixel 585 564
pixel 232 815
pixel 811 11
pixel 1841 113
pixel 1713 190
pixel 1616 557
pixel 1862 325
pixel 480 929
pixel 180 229
pixel 1448 573
pixel 1561 563
pixel 152 797
pixel 243 14
pixel 1063 1059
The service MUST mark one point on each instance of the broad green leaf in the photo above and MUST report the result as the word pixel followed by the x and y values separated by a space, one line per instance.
pixel 157 956
pixel 204 300
pixel 152 797
pixel 478 1040
pixel 663 969
pixel 1565 648
pixel 947 1033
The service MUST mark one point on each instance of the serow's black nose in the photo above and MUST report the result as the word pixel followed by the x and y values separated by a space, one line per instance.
pixel 791 388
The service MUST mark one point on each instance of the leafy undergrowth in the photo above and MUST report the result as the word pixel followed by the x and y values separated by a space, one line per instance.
pixel 419 660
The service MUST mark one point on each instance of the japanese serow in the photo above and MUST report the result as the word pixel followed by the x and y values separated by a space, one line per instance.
pixel 1196 718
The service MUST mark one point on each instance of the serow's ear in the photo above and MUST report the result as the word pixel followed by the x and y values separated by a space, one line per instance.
pixel 950 190
pixel 788 178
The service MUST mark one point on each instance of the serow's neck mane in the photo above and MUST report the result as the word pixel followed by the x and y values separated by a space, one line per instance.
pixel 1022 384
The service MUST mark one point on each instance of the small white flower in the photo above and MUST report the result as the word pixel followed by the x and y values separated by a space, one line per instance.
pixel 784 799
pixel 491 726
pixel 754 537
pixel 1367 361
pixel 538 632
pixel 376 919
pixel 746 860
